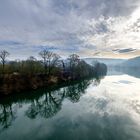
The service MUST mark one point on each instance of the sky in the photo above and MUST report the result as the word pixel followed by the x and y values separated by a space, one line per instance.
pixel 90 28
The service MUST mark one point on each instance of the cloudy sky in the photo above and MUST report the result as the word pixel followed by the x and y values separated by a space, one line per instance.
pixel 90 28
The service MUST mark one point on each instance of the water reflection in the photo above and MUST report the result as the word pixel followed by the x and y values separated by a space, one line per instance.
pixel 51 102
pixel 42 104
pixel 7 115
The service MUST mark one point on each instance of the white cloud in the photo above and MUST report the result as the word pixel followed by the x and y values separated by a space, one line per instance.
pixel 70 26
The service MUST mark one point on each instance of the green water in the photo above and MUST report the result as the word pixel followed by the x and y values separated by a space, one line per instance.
pixel 103 109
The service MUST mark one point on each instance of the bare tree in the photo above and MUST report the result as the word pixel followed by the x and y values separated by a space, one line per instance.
pixel 31 61
pixel 45 54
pixel 3 55
pixel 50 60
pixel 73 62
pixel 54 61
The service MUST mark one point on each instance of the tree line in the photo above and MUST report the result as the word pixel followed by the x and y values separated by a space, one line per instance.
pixel 50 64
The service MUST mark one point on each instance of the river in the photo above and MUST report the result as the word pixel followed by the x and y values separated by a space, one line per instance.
pixel 106 108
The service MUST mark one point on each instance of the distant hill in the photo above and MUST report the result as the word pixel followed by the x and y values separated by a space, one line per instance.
pixel 119 66
pixel 133 62
pixel 107 61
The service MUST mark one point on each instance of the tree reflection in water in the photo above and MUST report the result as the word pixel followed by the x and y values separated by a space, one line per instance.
pixel 7 115
pixel 45 104
pixel 51 102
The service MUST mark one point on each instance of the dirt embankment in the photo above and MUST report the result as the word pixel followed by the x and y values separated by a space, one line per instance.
pixel 16 82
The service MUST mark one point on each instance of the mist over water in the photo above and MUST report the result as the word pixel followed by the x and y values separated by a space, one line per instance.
pixel 107 108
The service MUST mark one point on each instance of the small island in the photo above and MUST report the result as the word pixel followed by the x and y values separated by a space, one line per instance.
pixel 50 71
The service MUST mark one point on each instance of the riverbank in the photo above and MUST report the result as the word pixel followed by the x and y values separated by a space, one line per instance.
pixel 17 83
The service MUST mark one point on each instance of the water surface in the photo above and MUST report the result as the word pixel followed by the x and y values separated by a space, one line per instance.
pixel 96 109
